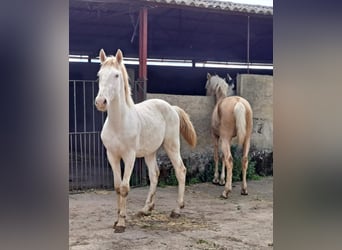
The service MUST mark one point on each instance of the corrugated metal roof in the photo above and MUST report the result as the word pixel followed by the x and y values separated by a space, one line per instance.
pixel 220 5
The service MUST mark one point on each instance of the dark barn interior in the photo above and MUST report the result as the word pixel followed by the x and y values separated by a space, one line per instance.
pixel 191 30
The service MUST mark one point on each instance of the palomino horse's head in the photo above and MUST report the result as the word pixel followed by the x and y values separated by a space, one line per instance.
pixel 231 85
pixel 218 86
pixel 113 80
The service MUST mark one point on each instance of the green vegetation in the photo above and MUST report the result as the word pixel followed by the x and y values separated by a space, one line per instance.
pixel 208 174
pixel 237 169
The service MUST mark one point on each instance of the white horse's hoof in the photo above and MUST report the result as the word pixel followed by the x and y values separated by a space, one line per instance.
pixel 174 214
pixel 119 229
pixel 144 213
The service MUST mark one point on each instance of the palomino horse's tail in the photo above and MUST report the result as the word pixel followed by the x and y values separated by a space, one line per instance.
pixel 240 117
pixel 186 128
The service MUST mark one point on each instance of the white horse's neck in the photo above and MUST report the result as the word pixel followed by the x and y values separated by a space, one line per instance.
pixel 118 111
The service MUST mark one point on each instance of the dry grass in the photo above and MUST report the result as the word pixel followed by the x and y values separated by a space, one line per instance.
pixel 163 221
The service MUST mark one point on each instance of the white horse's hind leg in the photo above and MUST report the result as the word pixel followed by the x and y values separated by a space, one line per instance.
pixel 153 173
pixel 180 170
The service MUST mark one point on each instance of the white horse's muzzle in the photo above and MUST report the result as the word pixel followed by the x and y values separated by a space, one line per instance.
pixel 101 103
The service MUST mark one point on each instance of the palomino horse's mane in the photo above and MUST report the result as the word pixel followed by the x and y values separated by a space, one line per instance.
pixel 217 86
pixel 111 61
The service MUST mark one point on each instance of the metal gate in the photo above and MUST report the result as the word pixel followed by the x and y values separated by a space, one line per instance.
pixel 88 165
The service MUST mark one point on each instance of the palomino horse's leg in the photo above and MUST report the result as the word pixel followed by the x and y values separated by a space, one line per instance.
pixel 115 164
pixel 223 176
pixel 128 159
pixel 244 164
pixel 180 170
pixel 229 165
pixel 153 173
pixel 216 159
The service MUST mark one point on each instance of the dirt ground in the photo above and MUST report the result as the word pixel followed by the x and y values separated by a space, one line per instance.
pixel 207 221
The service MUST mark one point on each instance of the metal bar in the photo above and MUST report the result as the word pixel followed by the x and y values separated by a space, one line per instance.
pixel 75 129
pixel 71 163
pixel 76 162
pixel 92 176
pixel 143 44
pixel 84 110
pixel 98 162
pixel 82 133
pixel 92 170
pixel 84 157
pixel 142 52
pixel 82 163
pixel 93 95
pixel 248 42
pixel 135 27
pixel 144 89
pixel 75 110
pixel 102 156
pixel 88 173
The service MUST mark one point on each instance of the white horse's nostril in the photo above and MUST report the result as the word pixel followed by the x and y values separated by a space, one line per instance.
pixel 100 102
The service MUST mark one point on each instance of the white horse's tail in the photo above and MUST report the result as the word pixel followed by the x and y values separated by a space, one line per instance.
pixel 240 118
pixel 186 128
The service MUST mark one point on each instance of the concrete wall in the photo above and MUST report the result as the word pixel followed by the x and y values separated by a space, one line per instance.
pixel 258 90
pixel 199 108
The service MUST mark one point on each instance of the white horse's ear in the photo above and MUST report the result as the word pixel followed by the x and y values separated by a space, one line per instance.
pixel 119 56
pixel 102 56
pixel 229 78
pixel 208 76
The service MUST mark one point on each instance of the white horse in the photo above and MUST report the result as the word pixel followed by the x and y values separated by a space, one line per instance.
pixel 138 130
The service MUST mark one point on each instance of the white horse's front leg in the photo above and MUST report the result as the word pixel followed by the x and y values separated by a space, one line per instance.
pixel 129 160
pixel 115 164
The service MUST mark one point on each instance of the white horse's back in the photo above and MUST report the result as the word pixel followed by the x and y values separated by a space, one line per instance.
pixel 157 119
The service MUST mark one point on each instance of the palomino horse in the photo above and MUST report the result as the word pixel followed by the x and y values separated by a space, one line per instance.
pixel 232 116
pixel 138 130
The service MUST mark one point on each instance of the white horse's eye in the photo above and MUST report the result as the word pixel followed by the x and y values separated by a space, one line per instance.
pixel 116 75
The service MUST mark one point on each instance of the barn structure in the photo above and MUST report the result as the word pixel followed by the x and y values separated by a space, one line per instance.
pixel 168 46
